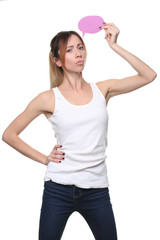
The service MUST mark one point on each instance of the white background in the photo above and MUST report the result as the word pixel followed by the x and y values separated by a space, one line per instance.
pixel 133 155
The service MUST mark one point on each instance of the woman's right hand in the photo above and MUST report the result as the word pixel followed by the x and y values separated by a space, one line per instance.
pixel 55 155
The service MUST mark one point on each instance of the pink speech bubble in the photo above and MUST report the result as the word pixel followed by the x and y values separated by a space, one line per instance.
pixel 90 24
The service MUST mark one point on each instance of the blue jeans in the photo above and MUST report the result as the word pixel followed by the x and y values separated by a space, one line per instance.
pixel 60 201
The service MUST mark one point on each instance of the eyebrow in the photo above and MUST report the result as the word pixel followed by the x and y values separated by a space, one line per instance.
pixel 77 45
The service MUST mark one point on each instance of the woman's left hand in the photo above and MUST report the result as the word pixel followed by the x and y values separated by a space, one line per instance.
pixel 111 33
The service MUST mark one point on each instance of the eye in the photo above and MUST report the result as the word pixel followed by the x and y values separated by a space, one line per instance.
pixel 68 50
pixel 81 47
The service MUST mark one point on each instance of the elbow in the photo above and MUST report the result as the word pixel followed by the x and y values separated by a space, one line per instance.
pixel 5 137
pixel 8 137
pixel 153 76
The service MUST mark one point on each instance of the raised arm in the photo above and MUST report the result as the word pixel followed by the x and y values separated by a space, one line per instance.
pixel 36 107
pixel 144 75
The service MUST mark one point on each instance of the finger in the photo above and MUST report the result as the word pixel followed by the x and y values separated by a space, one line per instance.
pixel 57 146
pixel 51 159
pixel 110 33
pixel 55 152
pixel 55 158
pixel 111 24
pixel 114 25
pixel 110 27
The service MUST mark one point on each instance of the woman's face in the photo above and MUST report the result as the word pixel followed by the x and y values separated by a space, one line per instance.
pixel 75 52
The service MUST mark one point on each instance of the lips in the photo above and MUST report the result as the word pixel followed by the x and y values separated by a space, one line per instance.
pixel 80 62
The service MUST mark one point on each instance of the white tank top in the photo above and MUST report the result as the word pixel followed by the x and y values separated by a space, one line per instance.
pixel 82 132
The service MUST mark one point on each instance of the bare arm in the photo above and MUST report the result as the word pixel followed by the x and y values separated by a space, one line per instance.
pixel 145 74
pixel 36 107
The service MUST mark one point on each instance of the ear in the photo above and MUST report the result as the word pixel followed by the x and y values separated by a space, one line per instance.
pixel 57 62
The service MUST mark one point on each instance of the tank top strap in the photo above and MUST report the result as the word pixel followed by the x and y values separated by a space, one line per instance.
pixel 59 101
pixel 56 91
pixel 97 91
pixel 58 94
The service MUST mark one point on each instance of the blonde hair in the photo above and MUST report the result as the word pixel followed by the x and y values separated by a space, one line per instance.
pixel 59 42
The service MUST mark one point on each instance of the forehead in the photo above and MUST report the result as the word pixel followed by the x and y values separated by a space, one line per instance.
pixel 73 40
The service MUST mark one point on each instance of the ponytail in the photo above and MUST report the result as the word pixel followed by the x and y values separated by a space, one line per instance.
pixel 55 73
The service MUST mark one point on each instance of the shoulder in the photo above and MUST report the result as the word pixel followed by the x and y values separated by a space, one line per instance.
pixel 45 101
pixel 104 84
pixel 46 95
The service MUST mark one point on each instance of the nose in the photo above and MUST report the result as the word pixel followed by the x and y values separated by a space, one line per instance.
pixel 78 53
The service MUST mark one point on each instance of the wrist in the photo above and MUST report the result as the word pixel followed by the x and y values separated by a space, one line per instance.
pixel 46 161
pixel 113 45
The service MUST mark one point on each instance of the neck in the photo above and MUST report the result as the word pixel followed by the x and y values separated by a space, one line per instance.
pixel 74 81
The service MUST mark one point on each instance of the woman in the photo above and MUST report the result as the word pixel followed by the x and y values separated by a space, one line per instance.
pixel 77 112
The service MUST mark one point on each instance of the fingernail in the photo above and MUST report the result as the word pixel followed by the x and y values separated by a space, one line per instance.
pixel 63 153
pixel 60 145
pixel 59 161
